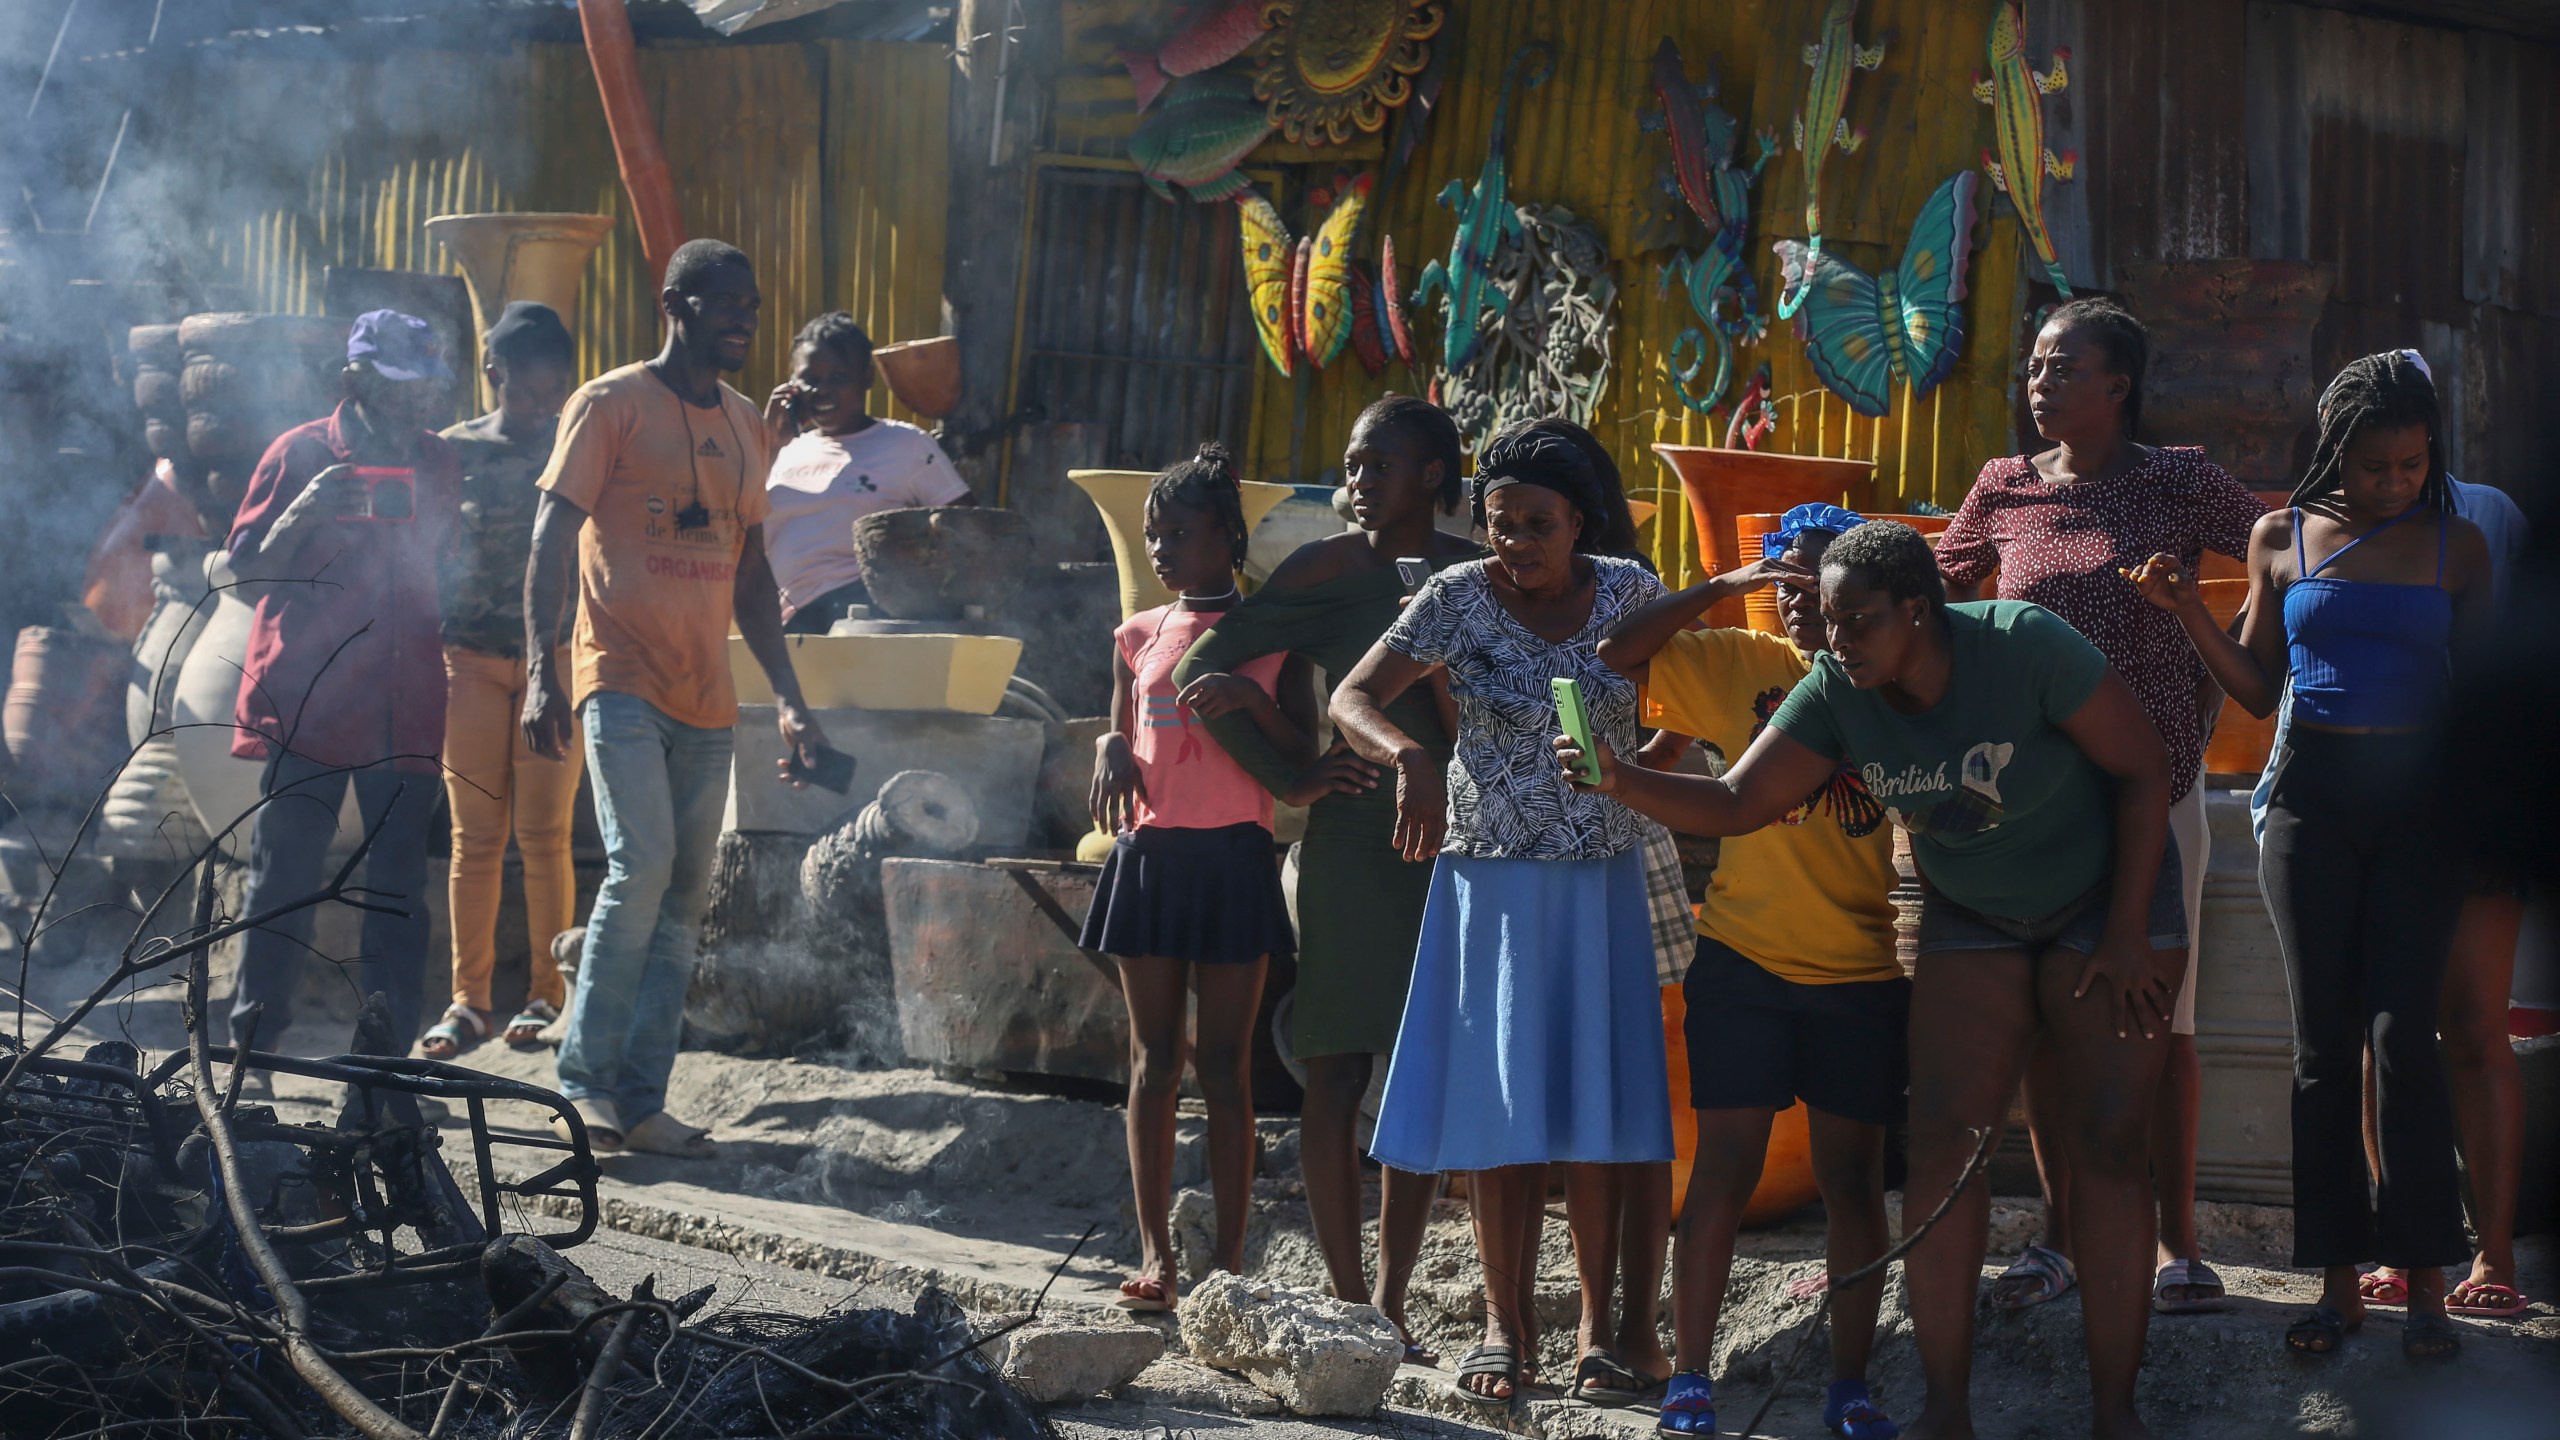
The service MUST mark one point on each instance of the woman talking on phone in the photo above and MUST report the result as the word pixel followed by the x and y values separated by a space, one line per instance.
pixel 2036 793
pixel 1533 1030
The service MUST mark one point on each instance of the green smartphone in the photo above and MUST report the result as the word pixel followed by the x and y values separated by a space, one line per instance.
pixel 1575 723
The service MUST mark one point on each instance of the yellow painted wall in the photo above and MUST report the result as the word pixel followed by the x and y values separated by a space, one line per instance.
pixel 823 161
pixel 1575 142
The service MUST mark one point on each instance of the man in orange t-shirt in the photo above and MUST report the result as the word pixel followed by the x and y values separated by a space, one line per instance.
pixel 654 499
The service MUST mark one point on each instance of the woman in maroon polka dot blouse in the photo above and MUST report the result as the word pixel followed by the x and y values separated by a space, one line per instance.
pixel 2061 527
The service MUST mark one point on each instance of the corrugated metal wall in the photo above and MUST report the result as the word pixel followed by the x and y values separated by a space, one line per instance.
pixel 1576 142
pixel 823 161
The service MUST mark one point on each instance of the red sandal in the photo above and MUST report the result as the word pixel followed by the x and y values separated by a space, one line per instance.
pixel 2487 1301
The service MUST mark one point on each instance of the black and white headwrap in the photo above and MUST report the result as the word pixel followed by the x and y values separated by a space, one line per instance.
pixel 1535 454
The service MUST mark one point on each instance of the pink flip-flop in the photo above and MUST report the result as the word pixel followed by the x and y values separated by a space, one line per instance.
pixel 2503 1302
pixel 2382 1292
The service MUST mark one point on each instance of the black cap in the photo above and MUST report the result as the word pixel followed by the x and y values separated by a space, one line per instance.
pixel 529 330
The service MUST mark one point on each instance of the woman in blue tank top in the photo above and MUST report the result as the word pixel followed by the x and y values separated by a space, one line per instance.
pixel 2362 591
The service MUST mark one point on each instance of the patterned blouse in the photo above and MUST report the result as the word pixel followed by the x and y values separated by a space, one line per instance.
pixel 2061 546
pixel 1507 798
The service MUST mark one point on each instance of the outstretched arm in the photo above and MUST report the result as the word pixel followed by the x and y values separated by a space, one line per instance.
pixel 1771 778
pixel 2251 668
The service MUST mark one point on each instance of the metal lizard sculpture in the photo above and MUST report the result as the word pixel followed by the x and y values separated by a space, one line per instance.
pixel 1719 285
pixel 2015 94
pixel 1823 122
pixel 1486 218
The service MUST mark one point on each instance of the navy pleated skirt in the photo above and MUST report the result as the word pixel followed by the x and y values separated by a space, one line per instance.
pixel 1207 896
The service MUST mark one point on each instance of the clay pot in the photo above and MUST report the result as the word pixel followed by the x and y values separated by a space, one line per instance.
pixel 247 379
pixel 1723 485
pixel 934 563
pixel 60 717
pixel 923 374
pixel 1786 1172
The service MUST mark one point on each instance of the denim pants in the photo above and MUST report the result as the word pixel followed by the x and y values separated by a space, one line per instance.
pixel 661 786
pixel 288 856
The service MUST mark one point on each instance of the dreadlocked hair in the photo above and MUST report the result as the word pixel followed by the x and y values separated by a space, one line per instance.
pixel 1207 482
pixel 1438 434
pixel 838 334
pixel 1894 557
pixel 1565 458
pixel 2379 392
pixel 2126 344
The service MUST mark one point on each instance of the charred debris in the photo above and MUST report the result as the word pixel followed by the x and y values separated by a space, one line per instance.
pixel 175 1260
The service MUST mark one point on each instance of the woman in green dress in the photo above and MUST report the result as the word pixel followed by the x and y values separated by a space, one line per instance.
pixel 1359 902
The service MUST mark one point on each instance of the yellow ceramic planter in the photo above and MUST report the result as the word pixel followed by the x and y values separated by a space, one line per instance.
pixel 966 673
pixel 1121 496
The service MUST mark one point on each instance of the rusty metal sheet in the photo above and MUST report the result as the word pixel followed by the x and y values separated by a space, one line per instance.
pixel 2511 174
pixel 2232 363
pixel 2155 109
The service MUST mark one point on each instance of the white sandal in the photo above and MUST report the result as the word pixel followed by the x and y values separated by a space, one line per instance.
pixel 460 1028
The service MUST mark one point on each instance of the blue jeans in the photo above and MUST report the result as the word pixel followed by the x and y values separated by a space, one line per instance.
pixel 288 859
pixel 661 786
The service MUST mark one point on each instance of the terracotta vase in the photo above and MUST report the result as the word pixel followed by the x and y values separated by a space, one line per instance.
pixel 247 379
pixel 64 691
pixel 923 374
pixel 1724 485
pixel 535 255
pixel 1121 496
pixel 2241 741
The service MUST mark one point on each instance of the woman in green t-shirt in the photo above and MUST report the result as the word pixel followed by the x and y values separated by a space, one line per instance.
pixel 2036 794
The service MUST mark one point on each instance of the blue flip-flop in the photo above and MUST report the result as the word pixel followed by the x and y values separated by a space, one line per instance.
pixel 1849 1412
pixel 1688 1405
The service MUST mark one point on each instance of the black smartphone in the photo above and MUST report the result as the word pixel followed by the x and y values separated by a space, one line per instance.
pixel 1414 572
pixel 833 770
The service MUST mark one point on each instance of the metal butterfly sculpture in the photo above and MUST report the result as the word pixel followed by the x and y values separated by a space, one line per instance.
pixel 1861 330
pixel 2015 93
pixel 1719 285
pixel 1824 121
pixel 1310 298
pixel 1486 218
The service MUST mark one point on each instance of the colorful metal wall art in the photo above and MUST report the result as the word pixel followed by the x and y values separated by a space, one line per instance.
pixel 1198 136
pixel 1718 282
pixel 1311 299
pixel 1545 346
pixel 1486 219
pixel 1209 35
pixel 1326 271
pixel 1332 68
pixel 1824 122
pixel 1860 330
pixel 2015 93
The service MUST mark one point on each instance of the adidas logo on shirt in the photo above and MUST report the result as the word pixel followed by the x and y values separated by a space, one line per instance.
pixel 710 449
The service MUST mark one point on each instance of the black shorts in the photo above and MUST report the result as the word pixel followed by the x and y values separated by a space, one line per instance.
pixel 1757 1042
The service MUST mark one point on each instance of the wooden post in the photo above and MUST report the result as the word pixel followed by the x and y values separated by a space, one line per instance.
pixel 636 146
pixel 1004 56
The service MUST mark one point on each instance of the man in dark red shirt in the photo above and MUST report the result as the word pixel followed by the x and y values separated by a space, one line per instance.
pixel 339 539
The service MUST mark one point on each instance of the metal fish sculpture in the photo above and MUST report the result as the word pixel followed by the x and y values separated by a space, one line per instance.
pixel 2015 94
pixel 1861 330
pixel 1268 263
pixel 1368 340
pixel 1392 326
pixel 1486 219
pixel 1824 122
pixel 1325 319
pixel 1204 129
pixel 1719 285
pixel 1209 36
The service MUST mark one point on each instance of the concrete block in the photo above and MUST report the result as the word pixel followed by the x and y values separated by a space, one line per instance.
pixel 1315 1354
pixel 1059 1361
pixel 996 759
pixel 988 975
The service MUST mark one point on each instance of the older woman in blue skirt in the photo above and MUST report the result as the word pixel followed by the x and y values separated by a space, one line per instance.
pixel 1533 1031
